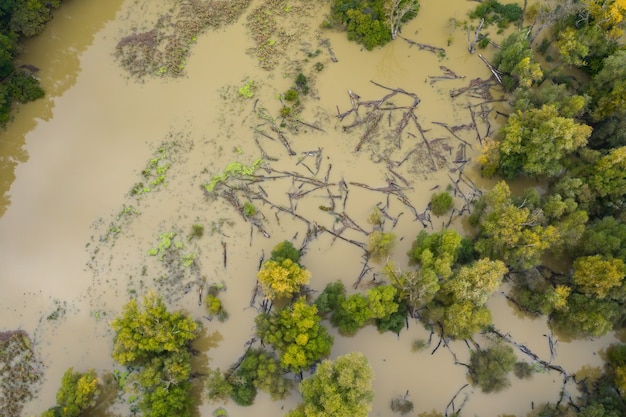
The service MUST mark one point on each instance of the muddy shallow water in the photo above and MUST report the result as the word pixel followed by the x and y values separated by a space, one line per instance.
pixel 69 161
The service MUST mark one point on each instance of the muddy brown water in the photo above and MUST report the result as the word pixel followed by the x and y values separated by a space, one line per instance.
pixel 69 161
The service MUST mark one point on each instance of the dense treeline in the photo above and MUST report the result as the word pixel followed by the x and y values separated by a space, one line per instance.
pixel 19 19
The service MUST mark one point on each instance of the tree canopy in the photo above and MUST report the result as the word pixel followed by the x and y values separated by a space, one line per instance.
pixel 342 388
pixel 297 335
pixel 282 279
pixel 155 344
pixel 146 330
pixel 489 368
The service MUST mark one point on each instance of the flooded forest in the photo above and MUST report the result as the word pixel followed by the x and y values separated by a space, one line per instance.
pixel 314 208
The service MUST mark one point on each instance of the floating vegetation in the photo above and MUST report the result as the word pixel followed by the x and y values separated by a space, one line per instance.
pixel 59 311
pixel 166 242
pixel 273 28
pixel 234 169
pixel 197 231
pixel 153 173
pixel 247 90
pixel 20 372
pixel 214 305
pixel 182 268
pixel 164 49
pixel 124 217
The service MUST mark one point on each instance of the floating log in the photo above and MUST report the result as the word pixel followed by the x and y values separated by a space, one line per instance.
pixel 422 46
pixel 224 251
pixel 372 126
pixel 423 134
pixel 448 75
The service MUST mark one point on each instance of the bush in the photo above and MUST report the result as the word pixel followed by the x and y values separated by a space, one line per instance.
pixel 380 244
pixel 291 95
pixel 247 90
pixel 523 370
pixel 401 405
pixel 285 250
pixel 248 209
pixel 489 368
pixel 441 203
pixel 302 84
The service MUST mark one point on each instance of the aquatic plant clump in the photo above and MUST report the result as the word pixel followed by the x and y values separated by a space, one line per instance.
pixel 154 174
pixel 164 49
pixel 20 372
pixel 234 169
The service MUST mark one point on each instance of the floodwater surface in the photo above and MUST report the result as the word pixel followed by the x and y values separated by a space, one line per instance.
pixel 74 240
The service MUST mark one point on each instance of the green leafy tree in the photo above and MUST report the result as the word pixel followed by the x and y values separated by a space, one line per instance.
pixel 259 369
pixel 356 310
pixel 154 342
pixel 217 386
pixel 441 203
pixel 297 334
pixel 167 401
pixel 29 17
pixel 352 313
pixel 142 332
pixel 415 288
pixel 564 100
pixel 608 88
pixel 542 297
pixel 285 250
pixel 489 368
pixel 475 282
pixel 571 49
pixel 164 385
pixel 515 59
pixel 79 392
pixel 597 275
pixel 537 141
pixel 463 319
pixel 282 279
pixel 329 299
pixel 608 177
pixel 512 233
pixel 606 236
pixel 587 316
pixel 342 388
pixel 380 244
pixel 437 251
pixel 382 301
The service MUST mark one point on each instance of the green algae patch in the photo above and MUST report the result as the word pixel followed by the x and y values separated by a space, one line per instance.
pixel 236 170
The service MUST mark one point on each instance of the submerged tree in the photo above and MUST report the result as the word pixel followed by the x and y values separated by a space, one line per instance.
pixel 489 368
pixel 342 388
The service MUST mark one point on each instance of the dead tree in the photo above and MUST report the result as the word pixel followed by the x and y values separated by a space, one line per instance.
pixel 395 10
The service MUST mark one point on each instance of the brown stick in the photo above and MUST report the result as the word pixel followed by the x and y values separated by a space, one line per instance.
pixel 493 70
pixel 373 125
pixel 422 46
